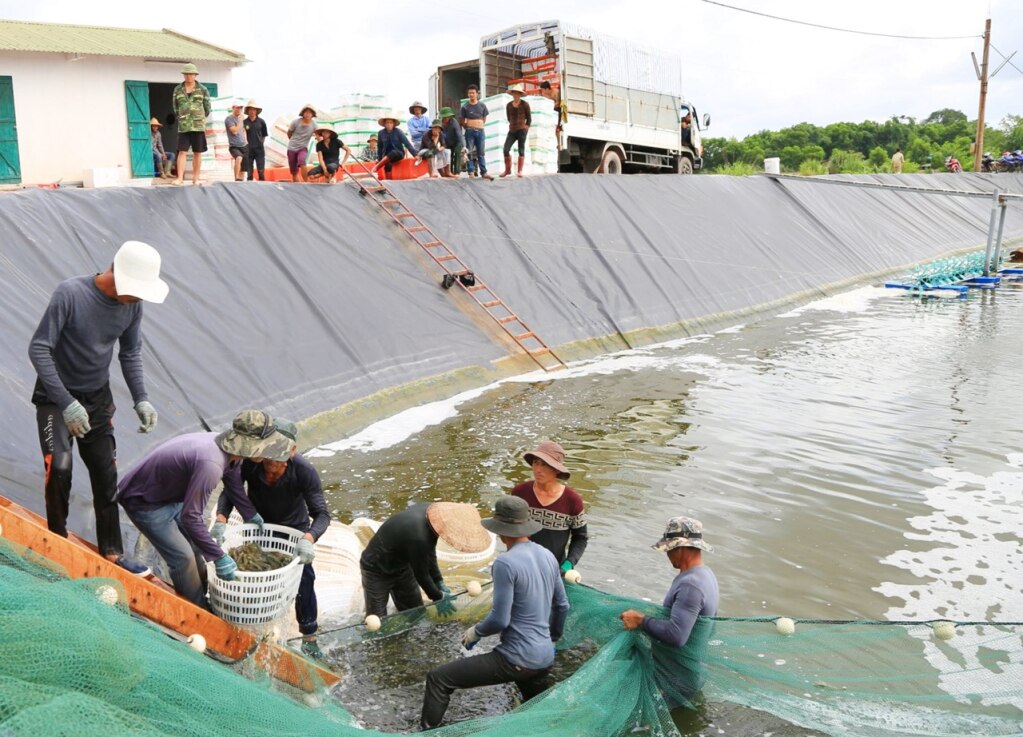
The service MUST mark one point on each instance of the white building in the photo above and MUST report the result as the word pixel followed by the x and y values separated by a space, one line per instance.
pixel 74 98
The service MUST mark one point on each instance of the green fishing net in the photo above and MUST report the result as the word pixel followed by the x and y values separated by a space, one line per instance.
pixel 71 664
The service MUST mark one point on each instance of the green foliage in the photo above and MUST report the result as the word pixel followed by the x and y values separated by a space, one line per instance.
pixel 812 168
pixel 864 147
pixel 738 169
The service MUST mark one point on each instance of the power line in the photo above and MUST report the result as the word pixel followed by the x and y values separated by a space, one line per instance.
pixel 835 28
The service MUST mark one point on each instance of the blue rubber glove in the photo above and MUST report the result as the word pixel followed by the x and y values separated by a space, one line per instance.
pixel 306 551
pixel 566 566
pixel 217 532
pixel 147 416
pixel 76 419
pixel 226 568
pixel 446 606
pixel 256 519
pixel 470 638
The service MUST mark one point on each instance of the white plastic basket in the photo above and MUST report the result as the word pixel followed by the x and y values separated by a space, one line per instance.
pixel 255 598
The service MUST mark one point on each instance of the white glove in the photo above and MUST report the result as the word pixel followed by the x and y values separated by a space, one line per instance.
pixel 470 638
pixel 76 419
pixel 306 551
pixel 147 416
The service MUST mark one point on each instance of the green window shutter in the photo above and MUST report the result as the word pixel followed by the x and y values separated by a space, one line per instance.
pixel 10 161
pixel 140 140
pixel 212 87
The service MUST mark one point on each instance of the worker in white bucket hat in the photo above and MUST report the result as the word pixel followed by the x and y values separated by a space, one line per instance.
pixel 71 351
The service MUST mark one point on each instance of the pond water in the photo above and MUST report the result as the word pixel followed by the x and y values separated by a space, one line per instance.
pixel 858 458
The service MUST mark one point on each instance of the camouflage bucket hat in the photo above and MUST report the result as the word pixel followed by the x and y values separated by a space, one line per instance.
pixel 286 428
pixel 682 532
pixel 253 434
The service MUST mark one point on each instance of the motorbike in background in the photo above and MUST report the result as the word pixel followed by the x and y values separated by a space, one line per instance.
pixel 953 166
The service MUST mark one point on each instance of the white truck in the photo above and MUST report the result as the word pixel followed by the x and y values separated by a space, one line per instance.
pixel 623 102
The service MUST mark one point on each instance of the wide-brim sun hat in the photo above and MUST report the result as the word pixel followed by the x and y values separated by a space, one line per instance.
pixel 254 105
pixel 459 526
pixel 517 87
pixel 322 128
pixel 308 106
pixel 189 69
pixel 512 518
pixel 682 532
pixel 253 434
pixel 437 124
pixel 157 123
pixel 137 272
pixel 396 120
pixel 417 104
pixel 550 453
pixel 446 112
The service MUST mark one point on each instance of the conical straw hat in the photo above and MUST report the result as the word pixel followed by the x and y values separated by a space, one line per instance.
pixel 459 525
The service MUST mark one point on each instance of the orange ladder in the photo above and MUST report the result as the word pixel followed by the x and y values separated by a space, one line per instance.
pixel 455 271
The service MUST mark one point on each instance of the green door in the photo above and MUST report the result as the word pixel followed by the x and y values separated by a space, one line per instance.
pixel 10 162
pixel 140 140
pixel 211 87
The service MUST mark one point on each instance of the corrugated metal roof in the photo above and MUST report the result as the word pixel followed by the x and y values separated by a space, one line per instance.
pixel 59 38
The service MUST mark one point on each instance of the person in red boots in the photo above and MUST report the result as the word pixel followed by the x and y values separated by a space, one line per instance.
pixel 519 120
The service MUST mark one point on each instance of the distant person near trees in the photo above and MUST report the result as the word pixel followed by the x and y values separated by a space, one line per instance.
pixel 474 118
pixel 71 352
pixel 300 133
pixel 237 141
pixel 256 133
pixel 897 161
pixel 191 107
pixel 519 120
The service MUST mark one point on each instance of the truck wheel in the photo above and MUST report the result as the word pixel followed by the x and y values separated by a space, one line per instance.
pixel 611 163
pixel 685 165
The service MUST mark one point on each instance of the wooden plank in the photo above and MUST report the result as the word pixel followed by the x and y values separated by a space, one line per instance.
pixel 155 601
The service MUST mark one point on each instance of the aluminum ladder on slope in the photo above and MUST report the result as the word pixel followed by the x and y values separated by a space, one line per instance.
pixel 456 272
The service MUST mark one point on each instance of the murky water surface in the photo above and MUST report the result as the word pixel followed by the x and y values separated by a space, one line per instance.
pixel 858 458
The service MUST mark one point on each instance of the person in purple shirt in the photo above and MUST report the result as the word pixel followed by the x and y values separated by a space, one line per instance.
pixel 529 611
pixel 165 495
pixel 693 594
pixel 71 352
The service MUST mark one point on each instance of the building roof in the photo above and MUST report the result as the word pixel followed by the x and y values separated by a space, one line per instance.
pixel 61 38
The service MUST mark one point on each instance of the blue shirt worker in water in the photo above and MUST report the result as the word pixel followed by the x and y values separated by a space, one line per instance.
pixel 693 594
pixel 165 495
pixel 287 493
pixel 71 352
pixel 528 613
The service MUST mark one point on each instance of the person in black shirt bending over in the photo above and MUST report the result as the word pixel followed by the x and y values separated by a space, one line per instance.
pixel 328 150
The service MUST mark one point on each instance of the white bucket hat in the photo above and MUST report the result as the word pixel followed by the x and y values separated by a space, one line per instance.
pixel 137 272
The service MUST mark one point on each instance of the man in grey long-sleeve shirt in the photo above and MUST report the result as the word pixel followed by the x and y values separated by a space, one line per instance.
pixel 528 613
pixel 71 351
pixel 693 594
pixel 165 495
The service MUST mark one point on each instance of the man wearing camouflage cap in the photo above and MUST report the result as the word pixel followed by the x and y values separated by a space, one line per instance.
pixel 165 495
pixel 693 593
pixel 191 108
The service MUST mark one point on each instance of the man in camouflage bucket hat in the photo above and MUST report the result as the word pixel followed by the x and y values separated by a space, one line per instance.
pixel 165 494
pixel 693 593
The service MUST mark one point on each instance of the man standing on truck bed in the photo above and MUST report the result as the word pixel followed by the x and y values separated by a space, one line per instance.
pixel 474 117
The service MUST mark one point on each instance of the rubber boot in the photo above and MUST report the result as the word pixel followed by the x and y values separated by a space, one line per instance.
pixel 507 165
pixel 165 169
pixel 522 161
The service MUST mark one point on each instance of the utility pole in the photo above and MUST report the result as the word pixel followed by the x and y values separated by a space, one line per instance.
pixel 978 148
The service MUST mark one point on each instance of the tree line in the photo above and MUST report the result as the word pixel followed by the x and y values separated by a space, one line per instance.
pixel 867 147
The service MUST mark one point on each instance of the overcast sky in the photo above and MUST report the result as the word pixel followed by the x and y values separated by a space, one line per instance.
pixel 751 73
